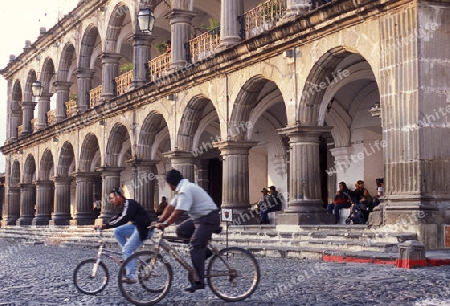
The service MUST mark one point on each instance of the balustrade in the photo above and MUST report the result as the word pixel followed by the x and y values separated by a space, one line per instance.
pixel 204 45
pixel 263 17
pixel 123 82
pixel 71 108
pixel 158 66
pixel 95 96
pixel 51 117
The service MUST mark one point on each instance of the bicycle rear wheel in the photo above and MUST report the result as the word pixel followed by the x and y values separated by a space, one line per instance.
pixel 234 275
pixel 154 278
pixel 89 281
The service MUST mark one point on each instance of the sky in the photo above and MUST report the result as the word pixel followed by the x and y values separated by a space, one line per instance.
pixel 20 20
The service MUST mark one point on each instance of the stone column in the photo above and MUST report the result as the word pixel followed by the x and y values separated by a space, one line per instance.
pixel 84 214
pixel 11 213
pixel 235 191
pixel 182 161
pixel 144 184
pixel 342 157
pixel 180 24
pixel 84 78
pixel 27 201
pixel 230 28
pixel 44 202
pixel 111 180
pixel 28 113
pixel 297 7
pixel 110 70
pixel 202 173
pixel 43 108
pixel 62 96
pixel 305 198
pixel 61 210
pixel 15 122
pixel 141 55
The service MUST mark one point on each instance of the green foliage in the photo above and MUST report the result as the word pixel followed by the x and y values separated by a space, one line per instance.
pixel 73 97
pixel 162 47
pixel 125 68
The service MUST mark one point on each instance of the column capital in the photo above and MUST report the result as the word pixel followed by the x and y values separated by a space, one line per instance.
pixel 26 185
pixel 45 96
pixel 62 179
pixel 85 73
pixel 235 147
pixel 181 16
pixel 178 154
pixel 83 175
pixel 141 163
pixel 28 105
pixel 110 170
pixel 61 85
pixel 137 39
pixel 44 184
pixel 107 57
pixel 299 130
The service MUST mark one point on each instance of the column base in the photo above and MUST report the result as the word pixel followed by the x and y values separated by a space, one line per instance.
pixel 59 222
pixel 244 216
pixel 86 218
pixel 40 220
pixel 310 218
pixel 60 219
pixel 24 220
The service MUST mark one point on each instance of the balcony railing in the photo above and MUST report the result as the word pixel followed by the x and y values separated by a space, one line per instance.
pixel 51 117
pixel 204 45
pixel 159 66
pixel 33 124
pixel 263 17
pixel 19 130
pixel 123 82
pixel 95 95
pixel 71 108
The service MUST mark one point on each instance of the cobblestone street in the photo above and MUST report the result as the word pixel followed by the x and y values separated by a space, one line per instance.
pixel 42 275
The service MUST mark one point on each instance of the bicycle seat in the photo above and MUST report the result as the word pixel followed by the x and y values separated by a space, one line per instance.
pixel 218 230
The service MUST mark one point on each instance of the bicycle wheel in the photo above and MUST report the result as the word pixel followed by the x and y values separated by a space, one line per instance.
pixel 234 275
pixel 89 281
pixel 154 278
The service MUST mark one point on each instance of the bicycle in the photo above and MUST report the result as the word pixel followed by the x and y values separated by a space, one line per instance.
pixel 91 275
pixel 226 273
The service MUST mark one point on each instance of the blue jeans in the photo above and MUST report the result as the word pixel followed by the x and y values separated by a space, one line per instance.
pixel 129 231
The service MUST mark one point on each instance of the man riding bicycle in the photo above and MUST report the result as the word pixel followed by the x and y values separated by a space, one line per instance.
pixel 204 220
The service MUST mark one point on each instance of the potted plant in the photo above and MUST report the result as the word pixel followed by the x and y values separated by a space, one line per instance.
pixel 162 47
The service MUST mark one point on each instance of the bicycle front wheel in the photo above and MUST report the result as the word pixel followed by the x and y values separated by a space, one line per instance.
pixel 234 275
pixel 153 278
pixel 90 277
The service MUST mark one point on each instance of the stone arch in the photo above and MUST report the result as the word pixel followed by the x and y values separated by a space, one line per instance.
pixel 196 109
pixel 88 44
pixel 89 149
pixel 120 13
pixel 68 55
pixel 256 96
pixel 27 93
pixel 153 124
pixel 47 73
pixel 16 109
pixel 46 166
pixel 117 146
pixel 29 169
pixel 66 160
pixel 14 179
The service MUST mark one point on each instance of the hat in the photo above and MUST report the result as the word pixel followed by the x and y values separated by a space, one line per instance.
pixel 272 188
pixel 264 190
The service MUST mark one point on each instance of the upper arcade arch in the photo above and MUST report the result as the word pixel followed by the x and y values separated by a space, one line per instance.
pixel 89 150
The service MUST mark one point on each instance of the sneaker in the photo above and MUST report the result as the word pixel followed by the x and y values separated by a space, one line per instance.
pixel 194 287
pixel 128 280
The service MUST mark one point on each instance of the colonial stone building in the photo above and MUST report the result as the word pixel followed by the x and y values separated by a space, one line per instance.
pixel 283 93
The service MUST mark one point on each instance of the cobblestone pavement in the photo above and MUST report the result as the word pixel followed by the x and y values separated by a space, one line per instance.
pixel 42 275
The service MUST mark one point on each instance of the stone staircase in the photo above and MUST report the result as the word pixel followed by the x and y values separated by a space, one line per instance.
pixel 307 241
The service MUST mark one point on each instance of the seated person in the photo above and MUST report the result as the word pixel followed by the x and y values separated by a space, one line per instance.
pixel 341 200
pixel 359 213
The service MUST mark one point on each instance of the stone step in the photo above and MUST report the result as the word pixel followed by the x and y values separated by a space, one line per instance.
pixel 266 240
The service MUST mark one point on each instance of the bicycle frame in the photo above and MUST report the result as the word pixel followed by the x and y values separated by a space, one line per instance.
pixel 161 243
pixel 103 251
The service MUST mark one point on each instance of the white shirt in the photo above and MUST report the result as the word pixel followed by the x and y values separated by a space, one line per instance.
pixel 192 198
